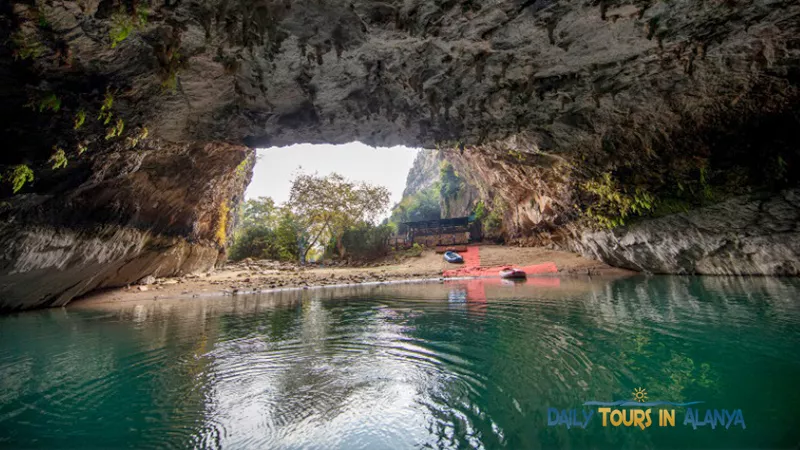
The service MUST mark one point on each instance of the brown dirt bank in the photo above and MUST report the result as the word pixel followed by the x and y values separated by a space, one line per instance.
pixel 250 276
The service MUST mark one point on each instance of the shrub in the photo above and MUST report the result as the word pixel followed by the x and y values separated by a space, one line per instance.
pixel 366 241
pixel 255 242
pixel 424 205
pixel 265 232
pixel 480 210
pixel 415 250
pixel 494 222
pixel 615 204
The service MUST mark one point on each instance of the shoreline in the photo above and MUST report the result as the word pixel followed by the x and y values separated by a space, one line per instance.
pixel 263 277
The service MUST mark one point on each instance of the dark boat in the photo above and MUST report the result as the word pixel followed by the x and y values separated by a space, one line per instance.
pixel 453 257
pixel 512 273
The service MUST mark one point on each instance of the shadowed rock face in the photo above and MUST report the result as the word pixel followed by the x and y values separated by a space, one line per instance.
pixel 162 210
pixel 629 87
pixel 741 236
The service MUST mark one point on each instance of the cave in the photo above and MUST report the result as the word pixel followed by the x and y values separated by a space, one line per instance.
pixel 130 125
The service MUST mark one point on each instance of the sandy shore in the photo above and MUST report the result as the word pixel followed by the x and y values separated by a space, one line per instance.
pixel 250 276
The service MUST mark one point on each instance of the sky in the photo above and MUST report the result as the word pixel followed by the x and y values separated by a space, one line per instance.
pixel 355 161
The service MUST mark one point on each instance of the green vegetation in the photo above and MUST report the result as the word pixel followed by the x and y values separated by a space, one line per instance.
pixel 19 175
pixel 58 158
pixel 415 250
pixel 82 147
pixel 266 231
pixel 480 210
pixel 116 130
pixel 80 118
pixel 614 204
pixel 450 183
pixel 493 224
pixel 26 46
pixel 49 102
pixel 105 108
pixel 140 135
pixel 124 23
pixel 327 209
pixel 329 206
pixel 424 205
pixel 364 241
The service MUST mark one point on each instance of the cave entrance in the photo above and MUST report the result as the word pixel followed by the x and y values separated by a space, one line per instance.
pixel 319 194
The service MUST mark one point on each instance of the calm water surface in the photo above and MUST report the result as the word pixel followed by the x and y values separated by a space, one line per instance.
pixel 458 365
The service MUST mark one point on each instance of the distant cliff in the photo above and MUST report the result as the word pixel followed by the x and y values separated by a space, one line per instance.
pixel 423 173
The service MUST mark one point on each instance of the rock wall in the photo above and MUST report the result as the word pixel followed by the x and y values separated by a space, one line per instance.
pixel 749 235
pixel 642 90
pixel 424 172
pixel 133 215
pixel 532 192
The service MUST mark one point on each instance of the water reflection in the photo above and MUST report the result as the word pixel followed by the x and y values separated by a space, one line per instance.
pixel 468 363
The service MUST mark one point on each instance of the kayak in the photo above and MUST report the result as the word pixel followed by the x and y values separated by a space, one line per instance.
pixel 509 273
pixel 453 257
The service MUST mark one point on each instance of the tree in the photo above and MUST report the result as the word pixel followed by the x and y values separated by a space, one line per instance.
pixel 328 206
pixel 266 231
pixel 288 234
pixel 423 205
pixel 260 211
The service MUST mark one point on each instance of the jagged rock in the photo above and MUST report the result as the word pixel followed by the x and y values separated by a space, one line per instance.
pixel 748 235
pixel 587 85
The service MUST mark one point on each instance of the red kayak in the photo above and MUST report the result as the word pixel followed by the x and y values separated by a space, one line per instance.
pixel 510 272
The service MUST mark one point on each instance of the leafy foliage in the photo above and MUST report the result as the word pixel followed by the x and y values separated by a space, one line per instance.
pixel 58 158
pixel 450 183
pixel 494 221
pixel 424 205
pixel 364 241
pixel 123 24
pixel 105 108
pixel 614 203
pixel 254 242
pixel 265 231
pixel 20 174
pixel 328 206
pixel 480 210
pixel 140 135
pixel 115 130
pixel 49 102
pixel 80 118
pixel 260 211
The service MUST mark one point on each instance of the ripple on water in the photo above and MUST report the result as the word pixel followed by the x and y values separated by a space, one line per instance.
pixel 395 366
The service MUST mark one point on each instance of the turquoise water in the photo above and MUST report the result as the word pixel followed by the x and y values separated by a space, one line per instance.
pixel 456 365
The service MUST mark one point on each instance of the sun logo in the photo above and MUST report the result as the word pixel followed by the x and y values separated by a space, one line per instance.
pixel 640 395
